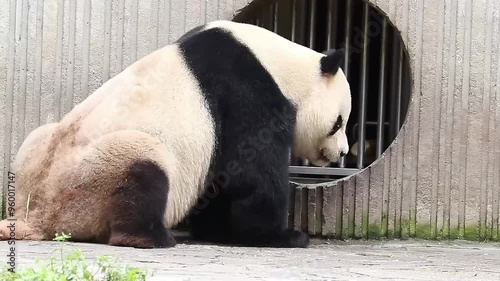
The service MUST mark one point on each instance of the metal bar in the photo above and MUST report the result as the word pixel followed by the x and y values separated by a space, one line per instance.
pixel 329 25
pixel 294 20
pixel 298 36
pixel 331 39
pixel 275 17
pixel 347 51
pixel 322 171
pixel 312 24
pixel 382 89
pixel 364 88
pixel 372 123
pixel 331 29
pixel 306 180
pixel 347 37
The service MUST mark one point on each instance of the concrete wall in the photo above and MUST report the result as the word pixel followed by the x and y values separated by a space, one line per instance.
pixel 441 177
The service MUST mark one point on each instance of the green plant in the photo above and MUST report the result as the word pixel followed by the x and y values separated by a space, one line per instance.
pixel 72 267
pixel 62 237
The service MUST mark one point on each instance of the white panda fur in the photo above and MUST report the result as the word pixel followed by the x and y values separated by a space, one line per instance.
pixel 156 110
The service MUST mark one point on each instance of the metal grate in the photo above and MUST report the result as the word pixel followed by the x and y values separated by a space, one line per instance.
pixel 376 66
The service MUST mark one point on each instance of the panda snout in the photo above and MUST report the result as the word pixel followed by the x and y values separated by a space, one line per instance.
pixel 329 157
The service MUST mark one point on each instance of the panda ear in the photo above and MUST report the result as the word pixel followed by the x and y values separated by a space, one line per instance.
pixel 333 60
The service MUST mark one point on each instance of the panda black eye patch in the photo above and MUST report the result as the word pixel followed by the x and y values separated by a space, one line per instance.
pixel 336 126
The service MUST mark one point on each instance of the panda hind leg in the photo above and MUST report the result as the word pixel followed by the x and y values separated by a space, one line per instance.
pixel 136 209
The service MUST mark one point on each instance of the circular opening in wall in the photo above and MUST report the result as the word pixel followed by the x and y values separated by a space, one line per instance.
pixel 377 67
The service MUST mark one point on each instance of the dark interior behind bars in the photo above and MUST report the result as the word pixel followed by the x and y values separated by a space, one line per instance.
pixel 376 66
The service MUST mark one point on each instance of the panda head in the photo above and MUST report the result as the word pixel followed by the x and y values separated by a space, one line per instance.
pixel 320 134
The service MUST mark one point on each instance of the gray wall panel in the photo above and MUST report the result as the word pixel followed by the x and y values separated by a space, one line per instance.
pixel 6 55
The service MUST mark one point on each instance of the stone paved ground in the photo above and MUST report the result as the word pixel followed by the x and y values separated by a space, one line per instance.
pixel 324 260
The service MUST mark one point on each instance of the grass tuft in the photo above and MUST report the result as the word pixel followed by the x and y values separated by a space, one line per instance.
pixel 72 267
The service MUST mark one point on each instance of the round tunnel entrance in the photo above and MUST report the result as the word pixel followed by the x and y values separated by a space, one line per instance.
pixel 376 65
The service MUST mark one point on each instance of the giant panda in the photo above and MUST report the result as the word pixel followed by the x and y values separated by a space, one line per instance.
pixel 198 130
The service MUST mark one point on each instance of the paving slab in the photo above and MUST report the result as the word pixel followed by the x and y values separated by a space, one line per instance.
pixel 324 260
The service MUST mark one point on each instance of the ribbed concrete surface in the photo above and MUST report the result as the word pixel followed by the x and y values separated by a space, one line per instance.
pixel 441 177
